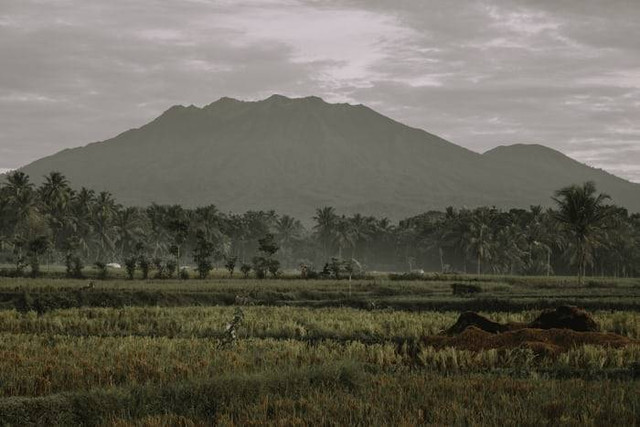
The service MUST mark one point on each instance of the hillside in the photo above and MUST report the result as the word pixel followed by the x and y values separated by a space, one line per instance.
pixel 539 171
pixel 295 155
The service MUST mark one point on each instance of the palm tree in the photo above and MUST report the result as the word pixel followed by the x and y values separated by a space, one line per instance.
pixel 158 233
pixel 56 194
pixel 82 207
pixel 344 235
pixel 508 249
pixel 235 228
pixel 384 242
pixel 105 209
pixel 4 218
pixel 326 222
pixel 460 233
pixel 288 229
pixel 482 226
pixel 541 238
pixel 55 190
pixel 582 214
pixel 361 229
pixel 128 230
pixel 208 220
pixel 441 234
pixel 22 203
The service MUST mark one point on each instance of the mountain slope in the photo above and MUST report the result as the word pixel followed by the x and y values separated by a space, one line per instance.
pixel 540 170
pixel 295 155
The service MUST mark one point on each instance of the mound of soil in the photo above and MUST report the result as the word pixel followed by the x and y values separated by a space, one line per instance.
pixel 541 341
pixel 566 317
pixel 563 317
pixel 553 332
pixel 473 319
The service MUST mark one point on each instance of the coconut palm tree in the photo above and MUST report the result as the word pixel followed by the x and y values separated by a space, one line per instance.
pixel 104 211
pixel 158 234
pixel 344 235
pixel 481 227
pixel 55 191
pixel 56 195
pixel 128 228
pixel 82 207
pixel 326 223
pixel 288 229
pixel 460 235
pixel 22 203
pixel 208 220
pixel 361 229
pixel 582 214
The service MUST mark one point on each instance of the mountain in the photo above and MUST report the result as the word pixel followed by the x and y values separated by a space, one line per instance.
pixel 295 155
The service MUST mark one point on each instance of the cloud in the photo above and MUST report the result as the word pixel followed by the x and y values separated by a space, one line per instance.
pixel 481 73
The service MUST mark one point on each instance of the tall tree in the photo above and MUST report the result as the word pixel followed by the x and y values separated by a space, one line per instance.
pixel 326 222
pixel 104 211
pixel 56 195
pixel 288 229
pixel 582 214
pixel 128 228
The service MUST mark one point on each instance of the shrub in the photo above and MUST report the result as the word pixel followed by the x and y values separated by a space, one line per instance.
pixel 259 265
pixel 335 267
pixel 74 266
pixel 202 253
pixel 37 247
pixel 170 268
pixel 143 262
pixel 102 270
pixel 245 269
pixel 230 264
pixel 266 262
pixel 274 267
pixel 465 289
pixel 130 266
pixel 159 267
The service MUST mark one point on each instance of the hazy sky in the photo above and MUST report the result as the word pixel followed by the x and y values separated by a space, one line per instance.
pixel 479 73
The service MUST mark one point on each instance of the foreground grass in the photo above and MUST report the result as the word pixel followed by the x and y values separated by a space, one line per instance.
pixel 42 365
pixel 341 394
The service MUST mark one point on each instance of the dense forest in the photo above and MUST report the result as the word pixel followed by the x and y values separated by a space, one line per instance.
pixel 585 234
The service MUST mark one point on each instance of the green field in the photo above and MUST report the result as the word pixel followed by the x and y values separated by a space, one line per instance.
pixel 307 352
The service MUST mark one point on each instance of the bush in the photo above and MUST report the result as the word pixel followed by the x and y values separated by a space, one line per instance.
pixel 37 247
pixel 259 266
pixel 144 264
pixel 202 253
pixel 102 270
pixel 74 266
pixel 159 267
pixel 245 269
pixel 465 289
pixel 130 266
pixel 230 264
pixel 170 268
pixel 274 267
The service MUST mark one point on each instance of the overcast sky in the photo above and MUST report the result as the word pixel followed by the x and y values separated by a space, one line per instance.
pixel 565 74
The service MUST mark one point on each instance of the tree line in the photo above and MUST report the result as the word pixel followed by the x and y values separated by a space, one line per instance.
pixel 584 234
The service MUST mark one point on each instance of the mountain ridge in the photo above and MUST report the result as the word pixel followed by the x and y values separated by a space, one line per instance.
pixel 298 154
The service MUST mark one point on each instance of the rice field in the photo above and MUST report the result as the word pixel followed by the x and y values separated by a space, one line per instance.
pixel 295 362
